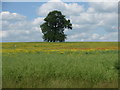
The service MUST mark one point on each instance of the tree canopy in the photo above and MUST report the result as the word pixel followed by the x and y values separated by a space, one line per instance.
pixel 54 26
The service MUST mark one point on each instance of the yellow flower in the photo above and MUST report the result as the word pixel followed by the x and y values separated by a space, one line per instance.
pixel 61 52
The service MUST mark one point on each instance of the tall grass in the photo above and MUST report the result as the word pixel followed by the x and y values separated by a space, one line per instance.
pixel 60 70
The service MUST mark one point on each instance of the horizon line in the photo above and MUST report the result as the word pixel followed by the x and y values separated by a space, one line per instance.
pixel 60 42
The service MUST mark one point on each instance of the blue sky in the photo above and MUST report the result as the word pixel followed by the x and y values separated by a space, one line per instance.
pixel 92 21
pixel 28 9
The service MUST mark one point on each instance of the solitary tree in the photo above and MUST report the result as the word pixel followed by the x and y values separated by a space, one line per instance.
pixel 54 26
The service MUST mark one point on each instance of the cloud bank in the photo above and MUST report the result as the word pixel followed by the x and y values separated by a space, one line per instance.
pixel 92 21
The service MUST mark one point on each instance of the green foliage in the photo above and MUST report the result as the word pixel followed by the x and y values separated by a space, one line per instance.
pixel 38 70
pixel 53 28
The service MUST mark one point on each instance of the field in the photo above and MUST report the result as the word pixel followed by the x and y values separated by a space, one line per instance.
pixel 60 65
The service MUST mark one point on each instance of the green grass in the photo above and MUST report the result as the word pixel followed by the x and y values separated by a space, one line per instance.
pixel 95 69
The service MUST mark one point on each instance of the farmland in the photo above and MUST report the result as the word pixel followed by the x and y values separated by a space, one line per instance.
pixel 60 65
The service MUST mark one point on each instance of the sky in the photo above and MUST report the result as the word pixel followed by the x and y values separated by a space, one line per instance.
pixel 91 21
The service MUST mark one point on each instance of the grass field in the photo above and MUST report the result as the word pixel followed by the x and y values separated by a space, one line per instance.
pixel 60 65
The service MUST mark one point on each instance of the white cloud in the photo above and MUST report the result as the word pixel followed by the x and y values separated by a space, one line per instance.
pixel 67 9
pixel 104 6
pixel 84 36
pixel 3 34
pixel 38 20
pixel 93 37
pixel 87 22
pixel 11 16
pixel 15 27
pixel 97 15
pixel 95 20
pixel 110 36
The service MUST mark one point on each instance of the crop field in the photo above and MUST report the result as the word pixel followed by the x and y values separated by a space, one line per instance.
pixel 60 65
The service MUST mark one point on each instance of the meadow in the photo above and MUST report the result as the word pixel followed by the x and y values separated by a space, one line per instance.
pixel 60 65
